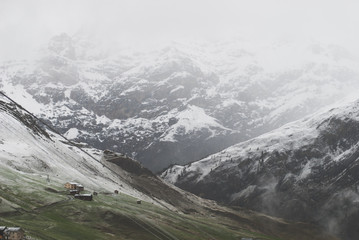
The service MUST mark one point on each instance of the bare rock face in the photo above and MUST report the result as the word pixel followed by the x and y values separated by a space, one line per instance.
pixel 23 117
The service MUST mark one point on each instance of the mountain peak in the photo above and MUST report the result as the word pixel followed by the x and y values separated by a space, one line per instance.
pixel 63 46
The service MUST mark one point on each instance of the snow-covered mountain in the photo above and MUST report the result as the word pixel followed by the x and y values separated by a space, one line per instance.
pixel 306 170
pixel 28 154
pixel 28 150
pixel 178 103
pixel 35 163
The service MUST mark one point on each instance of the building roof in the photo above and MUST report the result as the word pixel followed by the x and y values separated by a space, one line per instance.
pixel 2 228
pixel 73 183
pixel 13 229
pixel 83 195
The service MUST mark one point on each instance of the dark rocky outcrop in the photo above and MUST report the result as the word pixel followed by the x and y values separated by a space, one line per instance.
pixel 23 117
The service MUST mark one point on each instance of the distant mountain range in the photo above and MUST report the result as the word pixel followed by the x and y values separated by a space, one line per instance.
pixel 181 102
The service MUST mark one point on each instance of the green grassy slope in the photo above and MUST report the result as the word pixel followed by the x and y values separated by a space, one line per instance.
pixel 45 211
pixel 107 217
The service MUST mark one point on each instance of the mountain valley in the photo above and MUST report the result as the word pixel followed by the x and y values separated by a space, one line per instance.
pixel 35 164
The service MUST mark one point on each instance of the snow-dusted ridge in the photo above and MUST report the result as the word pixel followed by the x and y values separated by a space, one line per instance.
pixel 291 136
pixel 26 152
pixel 304 170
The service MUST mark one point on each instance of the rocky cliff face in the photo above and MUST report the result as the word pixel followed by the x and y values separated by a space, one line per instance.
pixel 305 171
pixel 179 103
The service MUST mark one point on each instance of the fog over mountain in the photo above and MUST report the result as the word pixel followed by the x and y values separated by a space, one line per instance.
pixel 250 103
pixel 27 25
pixel 180 102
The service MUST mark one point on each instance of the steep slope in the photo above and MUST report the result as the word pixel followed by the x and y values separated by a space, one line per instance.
pixel 306 171
pixel 27 148
pixel 35 165
pixel 177 103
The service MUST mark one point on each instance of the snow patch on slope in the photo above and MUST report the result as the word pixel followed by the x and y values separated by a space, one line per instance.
pixel 19 94
pixel 189 121
pixel 72 133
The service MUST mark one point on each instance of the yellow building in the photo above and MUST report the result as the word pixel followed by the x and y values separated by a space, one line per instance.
pixel 71 185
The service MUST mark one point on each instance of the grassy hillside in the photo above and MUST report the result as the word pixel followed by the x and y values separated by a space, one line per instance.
pixel 45 211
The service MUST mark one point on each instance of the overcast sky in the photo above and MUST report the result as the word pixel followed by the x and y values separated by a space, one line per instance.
pixel 26 24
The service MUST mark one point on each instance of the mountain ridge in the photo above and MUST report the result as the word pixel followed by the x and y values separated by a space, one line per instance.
pixel 141 101
pixel 304 171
